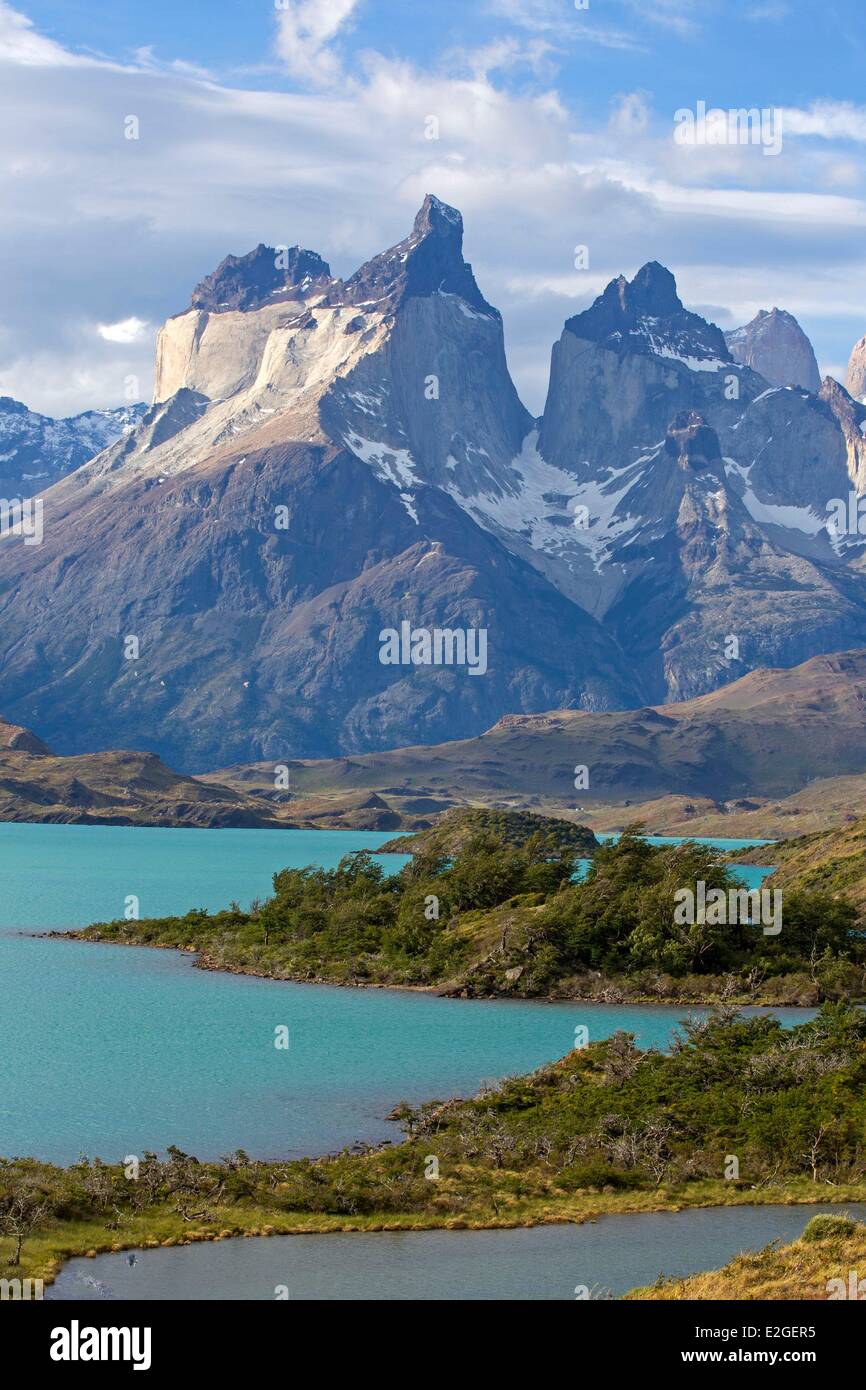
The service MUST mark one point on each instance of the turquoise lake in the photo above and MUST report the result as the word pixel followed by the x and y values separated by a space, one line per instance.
pixel 110 1050
pixel 57 876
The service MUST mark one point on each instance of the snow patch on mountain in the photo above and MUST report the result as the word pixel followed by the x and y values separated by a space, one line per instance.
pixel 37 449
pixel 791 517
pixel 545 508
pixel 390 465
pixel 694 364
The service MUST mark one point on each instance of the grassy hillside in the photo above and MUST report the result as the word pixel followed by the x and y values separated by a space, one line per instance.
pixel 750 759
pixel 117 787
pixel 817 1266
pixel 608 1128
pixel 824 804
pixel 833 863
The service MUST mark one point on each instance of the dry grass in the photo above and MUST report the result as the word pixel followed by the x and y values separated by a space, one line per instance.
pixel 801 1270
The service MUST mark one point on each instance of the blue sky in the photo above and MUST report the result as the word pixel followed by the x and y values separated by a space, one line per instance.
pixel 733 49
pixel 305 122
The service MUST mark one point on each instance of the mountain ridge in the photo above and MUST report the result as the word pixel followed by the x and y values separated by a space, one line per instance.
pixel 338 458
pixel 783 745
pixel 37 450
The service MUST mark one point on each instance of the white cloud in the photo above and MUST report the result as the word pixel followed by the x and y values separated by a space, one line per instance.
pixel 504 54
pixel 306 31
pixel 105 233
pixel 830 120
pixel 562 20
pixel 681 16
pixel 130 330
pixel 21 44
pixel 543 15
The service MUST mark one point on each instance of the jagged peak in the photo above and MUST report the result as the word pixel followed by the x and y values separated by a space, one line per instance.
pixel 855 379
pixel 850 412
pixel 428 261
pixel 831 387
pixel 652 293
pixel 262 276
pixel 9 406
pixel 646 315
pixel 438 218
pixel 654 290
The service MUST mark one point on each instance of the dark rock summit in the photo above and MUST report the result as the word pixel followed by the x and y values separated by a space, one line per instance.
pixel 263 276
pixel 429 261
pixel 647 315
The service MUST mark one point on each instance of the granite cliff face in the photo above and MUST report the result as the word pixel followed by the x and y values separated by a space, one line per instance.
pixel 851 417
pixel 776 347
pixel 283 502
pixel 327 460
pixel 855 380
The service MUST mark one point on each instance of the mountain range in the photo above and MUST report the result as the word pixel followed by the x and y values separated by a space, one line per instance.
pixel 36 451
pixel 328 460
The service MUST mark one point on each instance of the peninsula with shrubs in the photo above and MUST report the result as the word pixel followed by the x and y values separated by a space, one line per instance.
pixel 493 904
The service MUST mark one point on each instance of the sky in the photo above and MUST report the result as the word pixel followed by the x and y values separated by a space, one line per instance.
pixel 309 122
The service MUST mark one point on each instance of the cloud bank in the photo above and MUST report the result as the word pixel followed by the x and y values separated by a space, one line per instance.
pixel 124 184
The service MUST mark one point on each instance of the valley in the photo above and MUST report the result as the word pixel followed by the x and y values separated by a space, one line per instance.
pixel 770 756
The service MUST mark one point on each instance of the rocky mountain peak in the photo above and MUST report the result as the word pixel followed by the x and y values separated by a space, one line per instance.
pixel 840 400
pixel 429 261
pixel 646 315
pixel 666 490
pixel 438 219
pixel 263 276
pixel 654 291
pixel 36 450
pixel 775 345
pixel 855 381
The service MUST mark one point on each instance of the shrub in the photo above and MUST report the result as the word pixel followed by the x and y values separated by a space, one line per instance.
pixel 831 1227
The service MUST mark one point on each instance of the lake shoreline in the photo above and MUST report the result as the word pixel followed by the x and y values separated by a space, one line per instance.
pixel 614 991
pixel 587 1211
